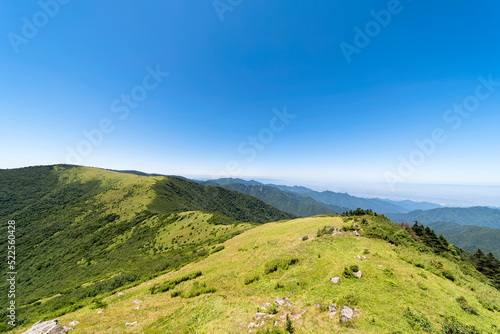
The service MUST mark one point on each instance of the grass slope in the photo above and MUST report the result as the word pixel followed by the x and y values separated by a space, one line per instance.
pixel 82 232
pixel 403 288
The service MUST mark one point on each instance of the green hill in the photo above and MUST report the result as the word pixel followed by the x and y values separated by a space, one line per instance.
pixel 404 288
pixel 84 231
pixel 470 237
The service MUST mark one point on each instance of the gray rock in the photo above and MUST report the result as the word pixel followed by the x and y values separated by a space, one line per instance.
pixel 356 233
pixel 358 274
pixel 335 280
pixel 47 327
pixel 346 314
pixel 73 323
pixel 283 302
pixel 131 323
pixel 332 308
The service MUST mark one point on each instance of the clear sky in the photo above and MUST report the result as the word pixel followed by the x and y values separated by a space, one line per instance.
pixel 297 90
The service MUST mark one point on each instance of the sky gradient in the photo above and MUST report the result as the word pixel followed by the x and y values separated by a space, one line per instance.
pixel 86 83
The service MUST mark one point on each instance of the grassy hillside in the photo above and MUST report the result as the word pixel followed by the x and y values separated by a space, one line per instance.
pixel 470 237
pixel 290 202
pixel 82 232
pixel 478 215
pixel 405 287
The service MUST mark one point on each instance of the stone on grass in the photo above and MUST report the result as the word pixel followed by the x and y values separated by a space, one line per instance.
pixel 47 327
pixel 335 280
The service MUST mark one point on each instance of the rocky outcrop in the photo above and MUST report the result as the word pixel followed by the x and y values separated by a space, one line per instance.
pixel 283 302
pixel 47 327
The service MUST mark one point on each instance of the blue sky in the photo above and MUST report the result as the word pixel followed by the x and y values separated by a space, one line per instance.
pixel 353 120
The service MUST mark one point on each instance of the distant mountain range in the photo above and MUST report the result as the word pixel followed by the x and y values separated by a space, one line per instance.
pixel 302 201
pixel 478 215
pixel 290 202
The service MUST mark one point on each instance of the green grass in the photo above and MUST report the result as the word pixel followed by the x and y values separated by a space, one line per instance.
pixel 389 302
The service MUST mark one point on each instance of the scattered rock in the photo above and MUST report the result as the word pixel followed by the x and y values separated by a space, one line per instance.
pixel 335 280
pixel 346 314
pixel 332 309
pixel 380 266
pixel 138 307
pixel 251 325
pixel 266 305
pixel 73 323
pixel 358 274
pixel 137 302
pixel 100 312
pixel 131 323
pixel 356 233
pixel 359 257
pixel 283 302
pixel 47 327
pixel 120 294
pixel 364 257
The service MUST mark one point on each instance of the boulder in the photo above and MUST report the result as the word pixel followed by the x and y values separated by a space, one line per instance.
pixel 358 274
pixel 47 327
pixel 347 314
pixel 335 280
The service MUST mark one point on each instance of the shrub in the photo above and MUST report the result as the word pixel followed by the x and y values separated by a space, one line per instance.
pixel 354 268
pixel 98 304
pixel 275 264
pixel 388 272
pixel 169 285
pixel 466 306
pixel 217 249
pixel 452 326
pixel 250 280
pixel 305 237
pixel 418 321
pixel 199 289
pixel 289 325
pixel 448 274
pixel 278 286
pixel 176 294
pixel 273 309
pixel 347 273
